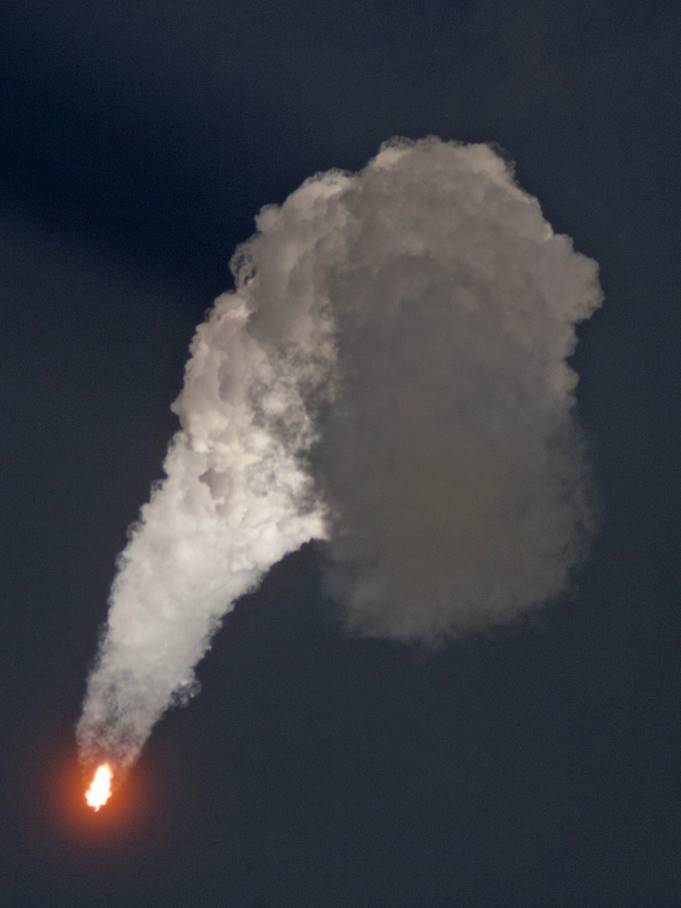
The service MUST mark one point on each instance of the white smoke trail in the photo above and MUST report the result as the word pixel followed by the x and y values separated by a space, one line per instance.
pixel 390 374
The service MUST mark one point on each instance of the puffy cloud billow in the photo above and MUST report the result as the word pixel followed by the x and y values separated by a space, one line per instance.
pixel 390 375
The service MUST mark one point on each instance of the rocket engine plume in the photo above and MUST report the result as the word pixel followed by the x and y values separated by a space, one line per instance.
pixel 389 375
pixel 99 790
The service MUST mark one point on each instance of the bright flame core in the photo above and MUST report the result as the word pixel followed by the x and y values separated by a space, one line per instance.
pixel 99 791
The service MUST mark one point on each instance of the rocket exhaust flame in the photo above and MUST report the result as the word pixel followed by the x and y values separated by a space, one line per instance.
pixel 99 791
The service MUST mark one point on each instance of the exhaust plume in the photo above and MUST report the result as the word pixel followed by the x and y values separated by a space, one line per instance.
pixel 390 374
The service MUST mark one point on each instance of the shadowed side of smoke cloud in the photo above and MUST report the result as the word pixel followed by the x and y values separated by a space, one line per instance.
pixel 389 374
pixel 450 460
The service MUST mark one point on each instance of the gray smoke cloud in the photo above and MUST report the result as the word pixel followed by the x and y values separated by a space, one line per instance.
pixel 389 375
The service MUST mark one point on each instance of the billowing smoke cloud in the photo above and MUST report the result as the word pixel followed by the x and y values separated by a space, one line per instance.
pixel 389 375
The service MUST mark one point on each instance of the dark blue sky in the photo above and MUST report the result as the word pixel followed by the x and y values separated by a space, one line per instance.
pixel 539 767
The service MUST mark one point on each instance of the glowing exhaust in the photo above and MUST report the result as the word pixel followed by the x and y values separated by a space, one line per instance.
pixel 99 791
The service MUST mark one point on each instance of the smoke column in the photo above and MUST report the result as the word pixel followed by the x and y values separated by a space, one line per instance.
pixel 388 375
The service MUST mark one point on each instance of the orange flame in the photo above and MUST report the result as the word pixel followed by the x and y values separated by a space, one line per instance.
pixel 99 791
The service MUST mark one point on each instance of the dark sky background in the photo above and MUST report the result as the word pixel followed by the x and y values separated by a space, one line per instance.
pixel 539 766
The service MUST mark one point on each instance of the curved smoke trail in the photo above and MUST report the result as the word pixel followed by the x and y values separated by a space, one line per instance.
pixel 389 374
